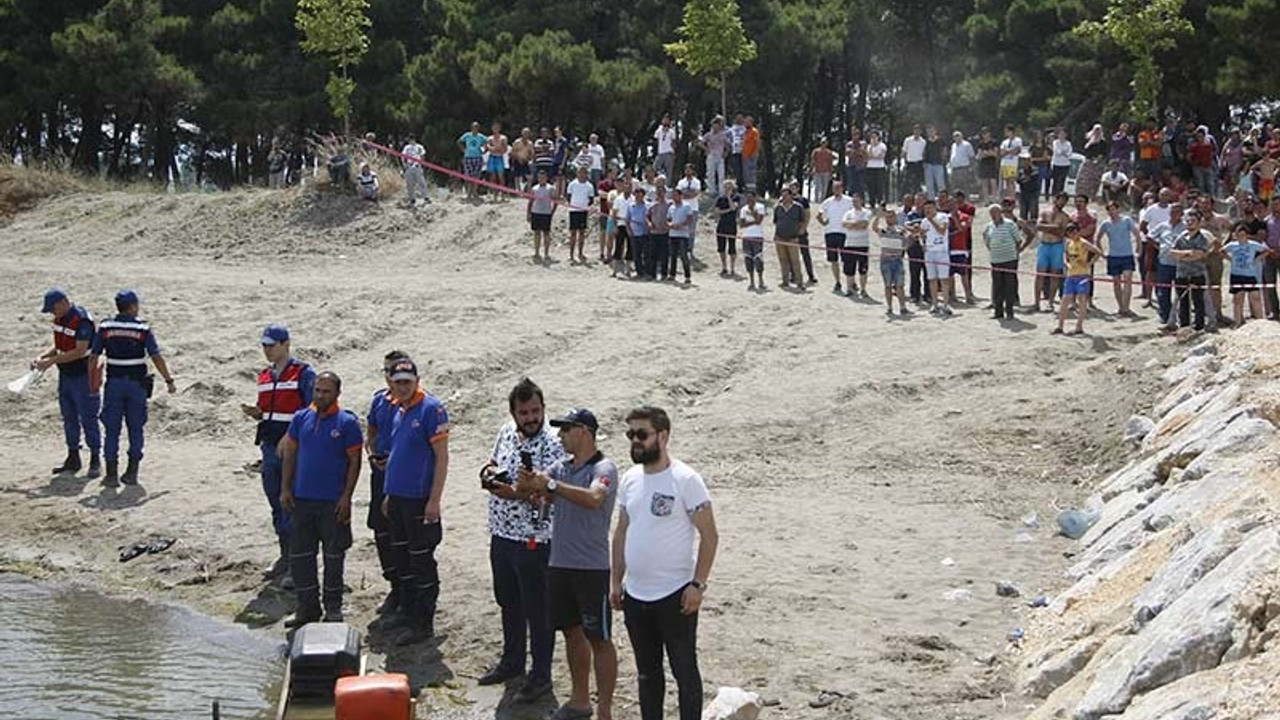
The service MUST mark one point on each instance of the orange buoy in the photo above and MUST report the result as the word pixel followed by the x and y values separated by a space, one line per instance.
pixel 373 697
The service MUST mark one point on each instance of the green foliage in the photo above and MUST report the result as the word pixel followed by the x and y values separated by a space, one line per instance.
pixel 335 29
pixel 1144 29
pixel 713 42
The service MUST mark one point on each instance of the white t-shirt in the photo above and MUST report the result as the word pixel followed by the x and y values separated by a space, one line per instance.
pixel 1115 179
pixel 597 156
pixel 833 210
pixel 414 150
pixel 661 555
pixel 935 240
pixel 580 194
pixel 666 137
pixel 755 231
pixel 690 187
pixel 913 149
pixel 1013 143
pixel 962 154
pixel 1155 216
pixel 875 154
pixel 858 238
pixel 1061 153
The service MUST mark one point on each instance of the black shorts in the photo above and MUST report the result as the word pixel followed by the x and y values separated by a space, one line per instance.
pixel 540 222
pixel 578 220
pixel 1243 284
pixel 834 242
pixel 857 261
pixel 580 598
pixel 960 264
pixel 726 243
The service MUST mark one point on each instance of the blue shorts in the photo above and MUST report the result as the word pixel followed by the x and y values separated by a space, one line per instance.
pixel 1117 266
pixel 1077 285
pixel 496 165
pixel 1051 257
pixel 891 272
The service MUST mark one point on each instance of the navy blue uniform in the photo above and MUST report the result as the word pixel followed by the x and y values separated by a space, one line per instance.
pixel 128 342
pixel 78 397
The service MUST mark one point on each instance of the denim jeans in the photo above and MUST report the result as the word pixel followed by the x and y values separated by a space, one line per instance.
pixel 1165 275
pixel 520 589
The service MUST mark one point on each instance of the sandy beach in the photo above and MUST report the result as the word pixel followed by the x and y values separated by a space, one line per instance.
pixel 862 468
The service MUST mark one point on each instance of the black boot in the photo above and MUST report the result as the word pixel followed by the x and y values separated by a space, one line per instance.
pixel 130 476
pixel 70 465
pixel 303 616
pixel 286 574
pixel 392 601
pixel 112 478
pixel 95 466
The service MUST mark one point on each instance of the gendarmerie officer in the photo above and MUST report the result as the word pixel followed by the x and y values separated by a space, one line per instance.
pixel 127 341
pixel 284 388
pixel 78 379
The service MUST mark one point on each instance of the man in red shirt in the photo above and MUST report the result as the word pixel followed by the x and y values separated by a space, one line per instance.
pixel 961 240
pixel 1200 153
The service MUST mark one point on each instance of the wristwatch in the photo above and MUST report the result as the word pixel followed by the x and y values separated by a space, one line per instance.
pixel 551 486
pixel 701 586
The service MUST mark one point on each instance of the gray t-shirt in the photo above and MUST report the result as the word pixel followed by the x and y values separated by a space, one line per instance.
pixel 580 536
pixel 1191 241
pixel 542 199
pixel 787 222
pixel 658 217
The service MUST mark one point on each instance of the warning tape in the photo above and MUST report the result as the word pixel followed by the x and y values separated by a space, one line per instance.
pixel 819 248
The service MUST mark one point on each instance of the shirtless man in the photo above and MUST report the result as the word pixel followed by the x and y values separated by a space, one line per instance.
pixel 1266 169
pixel 521 158
pixel 1050 258
pixel 497 148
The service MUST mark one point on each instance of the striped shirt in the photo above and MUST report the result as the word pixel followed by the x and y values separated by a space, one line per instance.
pixel 1002 241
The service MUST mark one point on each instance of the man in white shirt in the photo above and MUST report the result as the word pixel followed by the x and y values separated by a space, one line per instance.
pixel 665 137
pixel 831 214
pixel 657 579
pixel 581 192
pixel 1060 163
pixel 751 222
pixel 1010 151
pixel 913 161
pixel 937 255
pixel 717 143
pixel 1115 184
pixel 415 182
pixel 857 245
pixel 962 159
pixel 596 150
pixel 737 133
pixel 690 188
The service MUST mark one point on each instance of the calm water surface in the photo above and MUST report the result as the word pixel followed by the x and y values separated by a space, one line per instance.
pixel 70 653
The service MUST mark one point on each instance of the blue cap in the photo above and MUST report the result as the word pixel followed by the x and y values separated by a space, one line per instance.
pixel 51 297
pixel 125 298
pixel 275 333
pixel 577 416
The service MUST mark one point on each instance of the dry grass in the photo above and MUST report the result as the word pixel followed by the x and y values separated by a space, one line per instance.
pixel 390 175
pixel 21 188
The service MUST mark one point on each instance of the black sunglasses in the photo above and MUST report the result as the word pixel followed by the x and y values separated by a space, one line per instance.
pixel 640 435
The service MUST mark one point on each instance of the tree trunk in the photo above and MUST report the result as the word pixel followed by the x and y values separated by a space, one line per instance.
pixel 85 158
pixel 724 105
pixel 162 155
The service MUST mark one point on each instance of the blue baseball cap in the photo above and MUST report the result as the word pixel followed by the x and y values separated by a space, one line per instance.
pixel 403 369
pixel 125 298
pixel 275 333
pixel 51 297
pixel 577 416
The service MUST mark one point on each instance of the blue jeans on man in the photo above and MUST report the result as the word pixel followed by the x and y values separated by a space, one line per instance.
pixel 1165 275
pixel 80 409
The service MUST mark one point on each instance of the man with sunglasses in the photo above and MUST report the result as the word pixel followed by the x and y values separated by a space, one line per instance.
pixel 582 489
pixel 656 580
pixel 417 464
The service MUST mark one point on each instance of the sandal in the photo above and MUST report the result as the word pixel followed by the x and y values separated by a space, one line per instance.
pixel 564 712
pixel 1056 331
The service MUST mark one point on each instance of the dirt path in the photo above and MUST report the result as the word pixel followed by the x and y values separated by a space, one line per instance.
pixel 848 455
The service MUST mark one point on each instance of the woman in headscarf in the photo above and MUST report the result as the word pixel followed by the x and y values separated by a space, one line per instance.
pixel 1095 149
pixel 1122 147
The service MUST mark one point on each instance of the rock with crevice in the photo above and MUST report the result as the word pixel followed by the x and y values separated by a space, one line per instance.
pixel 1055 671
pixel 1212 620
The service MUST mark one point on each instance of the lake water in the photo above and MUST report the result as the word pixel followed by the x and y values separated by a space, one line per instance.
pixel 70 654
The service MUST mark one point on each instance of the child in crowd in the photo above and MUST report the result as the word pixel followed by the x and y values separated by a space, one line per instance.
pixel 1245 255
pixel 1075 291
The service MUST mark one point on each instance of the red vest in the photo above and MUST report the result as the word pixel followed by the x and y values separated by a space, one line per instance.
pixel 279 398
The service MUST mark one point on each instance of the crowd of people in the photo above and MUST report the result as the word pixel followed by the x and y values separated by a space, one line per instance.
pixel 646 220
pixel 556 565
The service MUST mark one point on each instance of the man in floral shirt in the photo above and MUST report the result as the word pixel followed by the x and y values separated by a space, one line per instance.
pixel 520 542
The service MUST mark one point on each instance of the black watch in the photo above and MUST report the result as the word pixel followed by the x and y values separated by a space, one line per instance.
pixel 701 586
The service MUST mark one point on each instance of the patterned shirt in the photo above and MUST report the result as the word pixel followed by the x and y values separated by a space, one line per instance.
pixel 516 519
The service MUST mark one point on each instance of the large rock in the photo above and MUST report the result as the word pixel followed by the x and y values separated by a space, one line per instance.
pixel 731 703
pixel 1138 475
pixel 1061 667
pixel 1138 427
pixel 1191 367
pixel 1243 433
pixel 1197 697
pixel 1213 620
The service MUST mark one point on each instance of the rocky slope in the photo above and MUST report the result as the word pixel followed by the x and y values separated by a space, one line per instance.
pixel 1172 614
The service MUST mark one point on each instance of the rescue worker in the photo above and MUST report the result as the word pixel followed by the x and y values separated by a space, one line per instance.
pixel 284 388
pixel 416 469
pixel 127 341
pixel 378 445
pixel 320 468
pixel 78 380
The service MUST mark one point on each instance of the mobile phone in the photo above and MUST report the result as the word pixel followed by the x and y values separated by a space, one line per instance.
pixel 526 460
